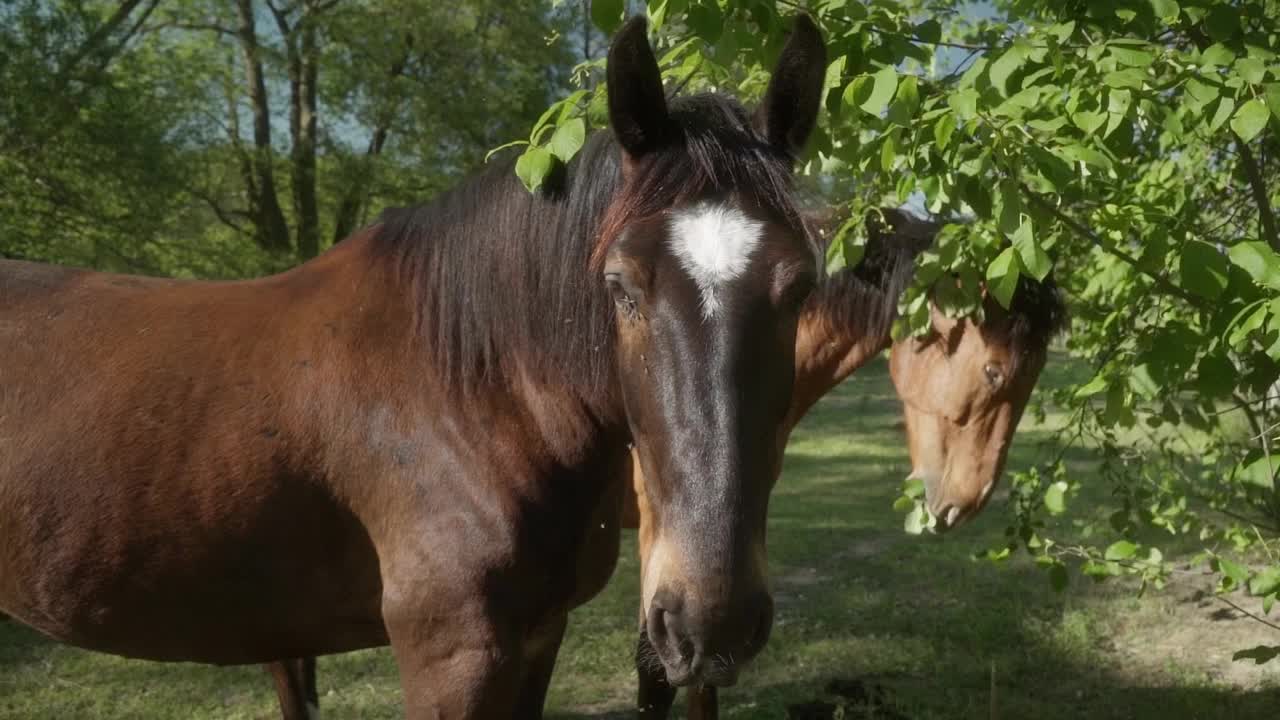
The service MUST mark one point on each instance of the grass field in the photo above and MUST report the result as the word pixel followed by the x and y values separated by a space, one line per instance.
pixel 863 610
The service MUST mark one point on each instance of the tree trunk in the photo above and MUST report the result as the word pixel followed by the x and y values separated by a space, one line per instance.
pixel 357 193
pixel 304 139
pixel 271 231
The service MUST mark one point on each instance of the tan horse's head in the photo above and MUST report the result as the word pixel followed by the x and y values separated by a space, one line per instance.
pixel 964 387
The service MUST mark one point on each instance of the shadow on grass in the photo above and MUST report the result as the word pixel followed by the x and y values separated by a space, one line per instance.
pixel 937 642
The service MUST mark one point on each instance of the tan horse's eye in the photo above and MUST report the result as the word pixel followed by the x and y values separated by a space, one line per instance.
pixel 994 376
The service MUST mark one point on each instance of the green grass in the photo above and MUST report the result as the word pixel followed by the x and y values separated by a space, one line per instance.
pixel 858 600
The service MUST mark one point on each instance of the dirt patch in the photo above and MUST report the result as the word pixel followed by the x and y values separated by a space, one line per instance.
pixel 1199 632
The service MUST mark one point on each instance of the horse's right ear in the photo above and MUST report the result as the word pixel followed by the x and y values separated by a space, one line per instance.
pixel 637 106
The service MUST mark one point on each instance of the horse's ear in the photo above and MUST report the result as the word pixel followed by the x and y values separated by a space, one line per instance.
pixel 790 108
pixel 637 106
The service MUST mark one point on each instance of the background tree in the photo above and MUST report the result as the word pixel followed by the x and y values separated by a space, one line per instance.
pixel 229 138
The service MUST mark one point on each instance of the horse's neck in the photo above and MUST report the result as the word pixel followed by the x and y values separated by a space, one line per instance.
pixel 825 357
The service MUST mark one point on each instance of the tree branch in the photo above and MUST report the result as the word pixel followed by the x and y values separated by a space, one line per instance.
pixel 98 36
pixel 1084 232
pixel 1259 188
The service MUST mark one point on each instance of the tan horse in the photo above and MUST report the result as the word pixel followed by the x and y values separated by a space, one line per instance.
pixel 963 388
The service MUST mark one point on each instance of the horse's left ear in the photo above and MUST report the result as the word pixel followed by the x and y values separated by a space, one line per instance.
pixel 637 106
pixel 790 108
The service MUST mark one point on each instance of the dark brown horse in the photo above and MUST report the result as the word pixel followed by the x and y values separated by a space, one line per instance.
pixel 419 438
pixel 963 388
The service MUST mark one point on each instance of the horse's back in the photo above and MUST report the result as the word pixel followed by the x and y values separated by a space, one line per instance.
pixel 151 482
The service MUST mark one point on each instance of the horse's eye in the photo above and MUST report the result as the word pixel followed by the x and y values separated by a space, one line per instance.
pixel 797 294
pixel 994 375
pixel 620 296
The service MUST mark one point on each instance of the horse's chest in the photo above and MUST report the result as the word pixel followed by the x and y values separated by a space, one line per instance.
pixel 569 539
pixel 597 554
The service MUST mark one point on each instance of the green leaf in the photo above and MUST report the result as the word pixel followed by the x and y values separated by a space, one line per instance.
pixel 1093 387
pixel 1252 70
pixel 1250 323
pixel 1118 103
pixel 1166 10
pixel 1055 498
pixel 1085 154
pixel 847 247
pixel 1259 472
pixel 1203 270
pixel 1131 57
pixel 1259 260
pixel 835 75
pixel 1272 91
pixel 856 92
pixel 885 83
pixel 1203 93
pixel 904 504
pixel 918 520
pixel 888 152
pixel 943 129
pixel 568 139
pixel 706 20
pixel 607 14
pixel 905 102
pixel 1216 54
pixel 1265 582
pixel 1010 207
pixel 542 124
pixel 533 167
pixel 1141 382
pixel 657 14
pixel 1223 21
pixel 1089 121
pixel 1225 107
pixel 965 103
pixel 929 31
pixel 1120 550
pixel 1250 119
pixel 1215 376
pixel 1002 276
pixel 1238 574
pixel 913 487
pixel 1062 31
pixel 1129 78
pixel 1034 259
pixel 1006 65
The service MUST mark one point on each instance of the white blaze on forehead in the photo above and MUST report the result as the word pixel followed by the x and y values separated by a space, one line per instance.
pixel 714 243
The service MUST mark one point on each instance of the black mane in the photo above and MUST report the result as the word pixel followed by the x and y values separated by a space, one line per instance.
pixel 863 300
pixel 504 281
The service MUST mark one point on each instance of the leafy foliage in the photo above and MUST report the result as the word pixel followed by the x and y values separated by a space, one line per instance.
pixel 1129 147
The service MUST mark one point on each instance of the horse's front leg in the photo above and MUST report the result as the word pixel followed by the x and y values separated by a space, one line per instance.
pixel 296 688
pixel 704 703
pixel 459 664
pixel 540 660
